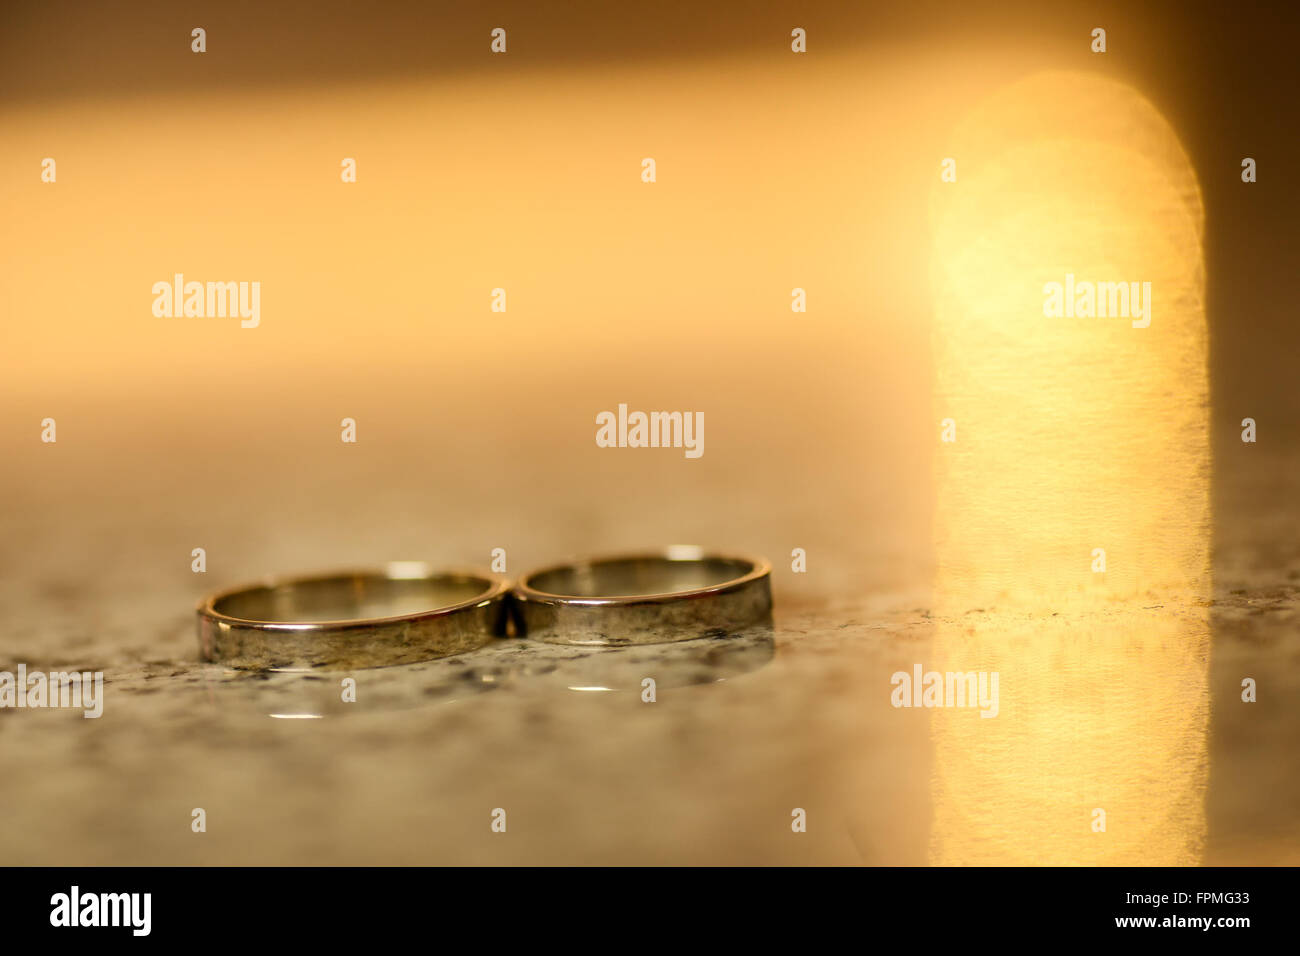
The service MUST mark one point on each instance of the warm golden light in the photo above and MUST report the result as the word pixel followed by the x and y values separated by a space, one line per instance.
pixel 1073 505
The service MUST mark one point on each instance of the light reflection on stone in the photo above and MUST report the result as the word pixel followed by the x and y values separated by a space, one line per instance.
pixel 1073 434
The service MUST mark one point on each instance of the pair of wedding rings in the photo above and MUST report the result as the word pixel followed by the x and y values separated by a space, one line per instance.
pixel 408 612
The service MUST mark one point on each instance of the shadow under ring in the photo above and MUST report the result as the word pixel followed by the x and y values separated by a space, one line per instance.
pixel 402 614
pixel 677 594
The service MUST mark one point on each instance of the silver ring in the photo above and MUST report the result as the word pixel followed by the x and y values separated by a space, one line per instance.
pixel 677 594
pixel 402 614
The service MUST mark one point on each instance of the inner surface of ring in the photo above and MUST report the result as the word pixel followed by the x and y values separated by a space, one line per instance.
pixel 638 576
pixel 349 598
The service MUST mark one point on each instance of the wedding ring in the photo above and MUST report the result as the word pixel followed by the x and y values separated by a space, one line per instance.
pixel 677 594
pixel 401 614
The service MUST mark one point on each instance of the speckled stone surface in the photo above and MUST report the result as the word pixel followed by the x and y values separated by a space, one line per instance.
pixel 744 729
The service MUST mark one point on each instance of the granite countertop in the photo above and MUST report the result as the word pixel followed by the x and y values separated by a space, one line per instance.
pixel 745 729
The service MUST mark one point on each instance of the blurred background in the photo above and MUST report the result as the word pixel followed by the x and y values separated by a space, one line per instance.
pixel 475 428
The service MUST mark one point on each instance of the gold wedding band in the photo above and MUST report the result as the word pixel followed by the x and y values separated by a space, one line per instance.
pixel 401 614
pixel 677 594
